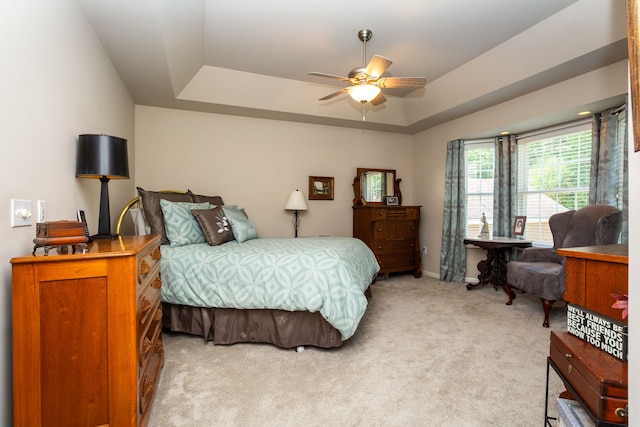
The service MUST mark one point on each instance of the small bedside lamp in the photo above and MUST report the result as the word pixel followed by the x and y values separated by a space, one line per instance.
pixel 296 203
pixel 102 157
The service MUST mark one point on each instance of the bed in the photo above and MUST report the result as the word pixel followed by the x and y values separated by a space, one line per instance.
pixel 224 283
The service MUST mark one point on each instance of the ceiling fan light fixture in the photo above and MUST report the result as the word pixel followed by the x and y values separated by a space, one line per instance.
pixel 363 92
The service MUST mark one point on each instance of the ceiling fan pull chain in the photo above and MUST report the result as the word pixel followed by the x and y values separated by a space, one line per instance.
pixel 364 53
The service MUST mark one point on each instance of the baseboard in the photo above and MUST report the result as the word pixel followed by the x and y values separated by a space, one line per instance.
pixel 437 276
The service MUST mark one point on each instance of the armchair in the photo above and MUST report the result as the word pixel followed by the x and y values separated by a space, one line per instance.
pixel 541 271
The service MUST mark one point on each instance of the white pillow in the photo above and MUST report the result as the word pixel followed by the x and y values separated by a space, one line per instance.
pixel 140 226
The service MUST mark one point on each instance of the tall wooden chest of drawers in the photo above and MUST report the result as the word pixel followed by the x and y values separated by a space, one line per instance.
pixel 392 234
pixel 87 343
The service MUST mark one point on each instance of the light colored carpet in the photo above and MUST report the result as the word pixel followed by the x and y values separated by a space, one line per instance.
pixel 427 353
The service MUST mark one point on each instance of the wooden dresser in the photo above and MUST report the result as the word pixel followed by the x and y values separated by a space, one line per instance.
pixel 593 273
pixel 392 234
pixel 87 343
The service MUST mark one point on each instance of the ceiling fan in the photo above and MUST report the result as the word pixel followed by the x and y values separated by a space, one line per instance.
pixel 366 83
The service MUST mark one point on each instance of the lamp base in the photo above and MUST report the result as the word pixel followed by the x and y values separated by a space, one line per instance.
pixel 103 236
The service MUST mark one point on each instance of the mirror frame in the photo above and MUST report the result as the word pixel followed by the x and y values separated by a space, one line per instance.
pixel 357 187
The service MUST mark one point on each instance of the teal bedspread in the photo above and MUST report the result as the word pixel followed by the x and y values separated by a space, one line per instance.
pixel 325 274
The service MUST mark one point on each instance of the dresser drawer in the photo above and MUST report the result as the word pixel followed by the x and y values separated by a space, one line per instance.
pixel 149 335
pixel 400 247
pixel 148 263
pixel 149 379
pixel 401 229
pixel 399 261
pixel 148 299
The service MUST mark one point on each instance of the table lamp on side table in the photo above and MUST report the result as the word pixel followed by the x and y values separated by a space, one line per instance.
pixel 103 157
pixel 296 203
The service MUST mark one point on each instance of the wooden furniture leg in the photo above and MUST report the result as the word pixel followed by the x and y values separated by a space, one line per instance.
pixel 546 306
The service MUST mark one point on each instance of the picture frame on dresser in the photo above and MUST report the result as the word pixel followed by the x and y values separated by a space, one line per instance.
pixel 392 201
pixel 321 187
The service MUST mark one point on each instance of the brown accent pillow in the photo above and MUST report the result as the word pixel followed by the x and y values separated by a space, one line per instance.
pixel 153 212
pixel 197 198
pixel 214 224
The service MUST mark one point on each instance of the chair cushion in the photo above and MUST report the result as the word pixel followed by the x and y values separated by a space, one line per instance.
pixel 544 279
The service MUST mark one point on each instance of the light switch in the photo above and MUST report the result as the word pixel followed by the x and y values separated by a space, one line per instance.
pixel 42 210
pixel 21 213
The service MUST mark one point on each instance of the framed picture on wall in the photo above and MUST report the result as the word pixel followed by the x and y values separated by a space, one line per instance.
pixel 518 225
pixel 320 188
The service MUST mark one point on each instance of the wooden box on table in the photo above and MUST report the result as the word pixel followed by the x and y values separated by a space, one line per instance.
pixel 598 379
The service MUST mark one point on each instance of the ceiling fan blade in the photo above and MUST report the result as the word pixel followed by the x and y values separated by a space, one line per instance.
pixel 379 99
pixel 401 82
pixel 333 95
pixel 377 66
pixel 331 76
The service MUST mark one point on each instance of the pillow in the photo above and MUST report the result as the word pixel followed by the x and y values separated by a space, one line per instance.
pixel 243 228
pixel 182 228
pixel 153 212
pixel 140 226
pixel 214 224
pixel 214 200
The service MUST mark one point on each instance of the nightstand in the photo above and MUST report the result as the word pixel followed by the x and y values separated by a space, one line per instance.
pixel 87 343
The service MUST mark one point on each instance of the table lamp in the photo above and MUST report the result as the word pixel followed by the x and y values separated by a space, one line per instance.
pixel 296 203
pixel 102 157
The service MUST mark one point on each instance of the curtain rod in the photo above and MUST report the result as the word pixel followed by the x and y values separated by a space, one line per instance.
pixel 542 131
pixel 478 141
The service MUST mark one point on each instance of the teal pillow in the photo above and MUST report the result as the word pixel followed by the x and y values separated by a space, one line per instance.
pixel 243 228
pixel 181 227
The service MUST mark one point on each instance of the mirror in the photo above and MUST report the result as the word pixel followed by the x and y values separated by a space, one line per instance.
pixel 373 186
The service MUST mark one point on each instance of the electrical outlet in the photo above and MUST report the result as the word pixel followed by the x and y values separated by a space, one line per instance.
pixel 424 250
pixel 21 213
pixel 42 210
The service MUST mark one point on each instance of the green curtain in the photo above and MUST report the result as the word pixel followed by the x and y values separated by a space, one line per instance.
pixel 609 156
pixel 504 186
pixel 453 254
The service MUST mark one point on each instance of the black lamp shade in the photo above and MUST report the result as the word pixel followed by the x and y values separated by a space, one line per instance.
pixel 102 155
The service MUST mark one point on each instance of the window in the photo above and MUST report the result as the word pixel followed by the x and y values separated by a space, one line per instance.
pixel 553 176
pixel 479 161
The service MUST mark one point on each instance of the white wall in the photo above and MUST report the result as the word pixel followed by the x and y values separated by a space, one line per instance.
pixel 256 163
pixel 430 146
pixel 56 83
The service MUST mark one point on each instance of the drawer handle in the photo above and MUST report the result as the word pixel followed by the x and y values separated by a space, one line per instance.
pixel 144 268
pixel 158 348
pixel 568 355
pixel 147 386
pixel 146 345
pixel 622 412
pixel 158 314
pixel 380 229
pixel 145 305
pixel 157 283
pixel 569 368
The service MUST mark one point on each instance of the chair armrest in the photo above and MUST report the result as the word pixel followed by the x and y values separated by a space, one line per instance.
pixel 540 255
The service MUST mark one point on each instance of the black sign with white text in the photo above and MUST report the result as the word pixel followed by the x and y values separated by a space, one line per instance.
pixel 600 331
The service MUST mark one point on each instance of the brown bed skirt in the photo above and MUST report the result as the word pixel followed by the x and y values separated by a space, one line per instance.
pixel 286 329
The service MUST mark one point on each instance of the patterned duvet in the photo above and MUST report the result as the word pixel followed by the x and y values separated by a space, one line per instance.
pixel 325 274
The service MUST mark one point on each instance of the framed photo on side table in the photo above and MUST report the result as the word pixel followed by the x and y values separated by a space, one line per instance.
pixel 518 225
pixel 320 188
